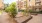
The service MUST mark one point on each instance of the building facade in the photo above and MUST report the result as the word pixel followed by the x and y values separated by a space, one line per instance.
pixel 35 4
pixel 19 4
pixel 1 4
pixel 22 4
pixel 30 4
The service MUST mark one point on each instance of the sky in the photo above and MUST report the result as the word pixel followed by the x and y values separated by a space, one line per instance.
pixel 9 1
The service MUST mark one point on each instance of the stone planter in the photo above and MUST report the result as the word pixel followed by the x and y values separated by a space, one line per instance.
pixel 23 19
pixel 20 14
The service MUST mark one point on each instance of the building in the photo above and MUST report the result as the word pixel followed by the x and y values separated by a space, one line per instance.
pixel 1 4
pixel 30 4
pixel 22 4
pixel 19 4
pixel 35 4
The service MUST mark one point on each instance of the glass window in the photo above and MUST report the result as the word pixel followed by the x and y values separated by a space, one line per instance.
pixel 29 0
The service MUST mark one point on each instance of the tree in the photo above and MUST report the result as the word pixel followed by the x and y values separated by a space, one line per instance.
pixel 6 5
pixel 12 9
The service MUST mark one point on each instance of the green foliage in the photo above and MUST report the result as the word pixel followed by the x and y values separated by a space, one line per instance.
pixel 32 11
pixel 40 12
pixel 25 12
pixel 12 9
pixel 22 10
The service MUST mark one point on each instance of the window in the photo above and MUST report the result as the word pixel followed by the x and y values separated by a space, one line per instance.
pixel 25 2
pixel 30 4
pixel 29 0
pixel 37 4
pixel 37 0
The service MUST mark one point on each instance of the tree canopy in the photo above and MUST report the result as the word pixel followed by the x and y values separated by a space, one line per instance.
pixel 12 8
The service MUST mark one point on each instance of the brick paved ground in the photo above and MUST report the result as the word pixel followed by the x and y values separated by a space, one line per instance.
pixel 36 19
pixel 20 18
pixel 5 18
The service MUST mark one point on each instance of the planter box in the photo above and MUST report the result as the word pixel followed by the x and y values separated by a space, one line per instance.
pixel 20 14
pixel 23 19
pixel 34 13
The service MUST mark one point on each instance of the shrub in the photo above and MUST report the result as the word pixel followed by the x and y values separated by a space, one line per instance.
pixel 40 12
pixel 12 9
pixel 32 11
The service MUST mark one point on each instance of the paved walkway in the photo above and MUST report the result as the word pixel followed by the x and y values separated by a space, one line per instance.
pixel 36 19
pixel 20 18
pixel 5 18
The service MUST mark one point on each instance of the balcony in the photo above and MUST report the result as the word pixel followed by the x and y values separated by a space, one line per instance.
pixel 38 4
pixel 38 1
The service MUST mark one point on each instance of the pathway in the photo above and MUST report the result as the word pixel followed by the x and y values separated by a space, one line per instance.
pixel 36 19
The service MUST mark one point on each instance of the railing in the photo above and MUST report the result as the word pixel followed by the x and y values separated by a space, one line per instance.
pixel 38 1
